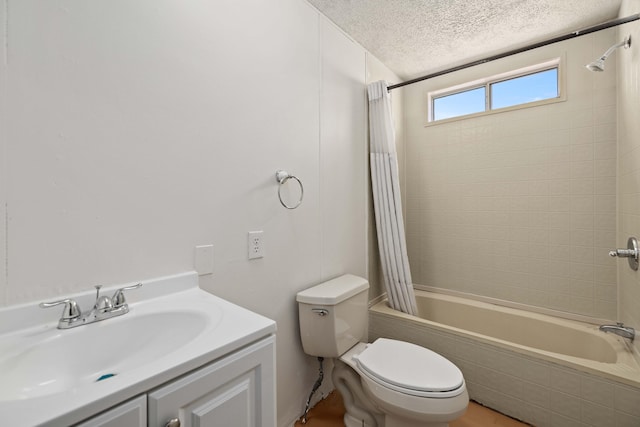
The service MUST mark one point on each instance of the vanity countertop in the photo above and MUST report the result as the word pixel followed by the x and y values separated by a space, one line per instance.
pixel 60 377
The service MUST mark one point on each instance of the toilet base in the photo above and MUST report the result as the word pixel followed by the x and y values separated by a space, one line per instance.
pixel 391 421
pixel 388 421
pixel 350 421
pixel 362 412
pixel 359 410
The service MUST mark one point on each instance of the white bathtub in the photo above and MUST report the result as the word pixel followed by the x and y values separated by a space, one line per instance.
pixel 537 368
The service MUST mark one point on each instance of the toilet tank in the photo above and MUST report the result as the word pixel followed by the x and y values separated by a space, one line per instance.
pixel 333 315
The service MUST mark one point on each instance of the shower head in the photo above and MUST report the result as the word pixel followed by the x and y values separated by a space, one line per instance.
pixel 598 64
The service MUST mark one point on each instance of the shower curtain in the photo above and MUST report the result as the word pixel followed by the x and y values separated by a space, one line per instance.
pixel 386 201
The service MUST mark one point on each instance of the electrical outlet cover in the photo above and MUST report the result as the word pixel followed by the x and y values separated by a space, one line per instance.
pixel 255 244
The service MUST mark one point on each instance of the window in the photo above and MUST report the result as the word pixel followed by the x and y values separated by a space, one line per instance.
pixel 519 87
pixel 522 90
pixel 459 104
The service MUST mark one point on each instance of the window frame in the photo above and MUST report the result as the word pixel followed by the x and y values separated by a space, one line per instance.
pixel 486 82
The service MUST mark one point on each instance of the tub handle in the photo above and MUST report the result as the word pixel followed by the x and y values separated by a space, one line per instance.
pixel 632 253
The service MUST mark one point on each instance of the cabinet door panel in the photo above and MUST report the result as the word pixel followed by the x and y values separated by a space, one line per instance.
pixel 234 407
pixel 130 414
pixel 237 390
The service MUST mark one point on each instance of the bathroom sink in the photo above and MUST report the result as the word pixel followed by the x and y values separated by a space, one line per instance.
pixel 172 328
pixel 59 360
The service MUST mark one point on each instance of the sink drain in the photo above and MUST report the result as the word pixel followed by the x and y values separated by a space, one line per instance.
pixel 105 376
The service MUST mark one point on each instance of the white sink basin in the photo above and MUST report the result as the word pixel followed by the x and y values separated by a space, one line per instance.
pixel 59 360
pixel 172 327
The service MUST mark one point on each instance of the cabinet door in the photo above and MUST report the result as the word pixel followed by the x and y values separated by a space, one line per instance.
pixel 235 391
pixel 130 414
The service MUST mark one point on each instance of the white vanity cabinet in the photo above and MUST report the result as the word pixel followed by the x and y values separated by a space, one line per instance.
pixel 236 391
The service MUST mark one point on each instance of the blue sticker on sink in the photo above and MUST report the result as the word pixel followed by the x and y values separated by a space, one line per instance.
pixel 105 376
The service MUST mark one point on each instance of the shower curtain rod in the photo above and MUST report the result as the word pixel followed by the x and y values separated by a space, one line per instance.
pixel 599 27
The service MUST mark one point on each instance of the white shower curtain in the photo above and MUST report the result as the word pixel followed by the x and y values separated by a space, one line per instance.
pixel 386 201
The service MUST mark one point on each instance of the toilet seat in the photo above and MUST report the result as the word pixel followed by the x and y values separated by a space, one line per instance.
pixel 410 369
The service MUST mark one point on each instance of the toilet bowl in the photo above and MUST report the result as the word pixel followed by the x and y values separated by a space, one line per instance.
pixel 387 383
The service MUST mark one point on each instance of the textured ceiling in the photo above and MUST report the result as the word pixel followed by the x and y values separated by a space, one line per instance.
pixel 416 37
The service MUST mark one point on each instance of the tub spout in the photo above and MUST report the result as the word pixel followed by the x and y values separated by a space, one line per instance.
pixel 620 329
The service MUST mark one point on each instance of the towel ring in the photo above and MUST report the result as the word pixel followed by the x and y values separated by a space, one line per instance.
pixel 282 177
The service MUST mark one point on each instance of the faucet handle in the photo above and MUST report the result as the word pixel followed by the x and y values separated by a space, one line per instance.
pixel 102 303
pixel 118 298
pixel 71 309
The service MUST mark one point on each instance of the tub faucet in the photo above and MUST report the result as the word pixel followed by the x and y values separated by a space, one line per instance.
pixel 620 329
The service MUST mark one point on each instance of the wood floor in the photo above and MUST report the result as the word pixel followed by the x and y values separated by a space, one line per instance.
pixel 329 413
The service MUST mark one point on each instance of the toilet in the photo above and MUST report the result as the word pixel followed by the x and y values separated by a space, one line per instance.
pixel 387 383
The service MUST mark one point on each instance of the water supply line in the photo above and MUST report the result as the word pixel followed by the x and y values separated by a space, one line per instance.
pixel 316 386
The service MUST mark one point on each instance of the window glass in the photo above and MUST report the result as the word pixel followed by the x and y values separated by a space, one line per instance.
pixel 459 104
pixel 524 89
pixel 514 88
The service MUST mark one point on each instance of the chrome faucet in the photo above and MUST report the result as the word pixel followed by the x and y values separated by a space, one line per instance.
pixel 103 308
pixel 620 329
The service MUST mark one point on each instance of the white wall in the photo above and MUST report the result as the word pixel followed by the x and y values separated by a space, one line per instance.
pixel 628 216
pixel 3 159
pixel 519 205
pixel 135 130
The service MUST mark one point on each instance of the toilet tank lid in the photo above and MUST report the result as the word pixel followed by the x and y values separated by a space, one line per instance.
pixel 333 291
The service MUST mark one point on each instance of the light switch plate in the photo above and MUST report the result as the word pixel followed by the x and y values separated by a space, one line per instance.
pixel 204 259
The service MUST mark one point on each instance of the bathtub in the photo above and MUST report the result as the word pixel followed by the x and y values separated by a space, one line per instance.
pixel 540 369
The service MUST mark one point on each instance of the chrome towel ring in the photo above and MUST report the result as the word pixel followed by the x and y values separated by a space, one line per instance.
pixel 282 177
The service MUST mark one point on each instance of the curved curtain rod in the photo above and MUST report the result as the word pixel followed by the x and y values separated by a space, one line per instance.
pixel 599 27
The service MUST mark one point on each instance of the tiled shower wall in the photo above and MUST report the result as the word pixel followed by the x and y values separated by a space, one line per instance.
pixel 629 163
pixel 519 205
